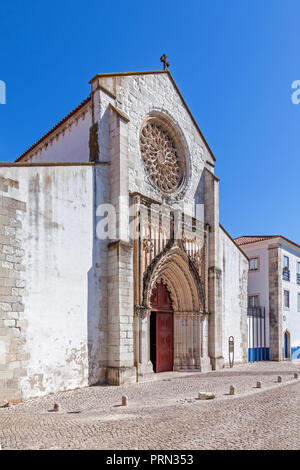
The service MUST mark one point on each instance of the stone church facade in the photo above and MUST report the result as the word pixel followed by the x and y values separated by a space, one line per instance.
pixel 114 263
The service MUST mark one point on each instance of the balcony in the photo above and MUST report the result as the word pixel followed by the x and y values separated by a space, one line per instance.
pixel 258 312
pixel 298 278
pixel 286 274
pixel 258 349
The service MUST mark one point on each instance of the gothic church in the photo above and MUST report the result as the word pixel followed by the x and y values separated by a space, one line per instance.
pixel 163 290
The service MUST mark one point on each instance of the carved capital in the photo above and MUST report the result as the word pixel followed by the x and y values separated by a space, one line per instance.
pixel 141 311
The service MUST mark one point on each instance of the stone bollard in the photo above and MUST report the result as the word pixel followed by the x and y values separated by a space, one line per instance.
pixel 124 400
pixel 56 407
pixel 295 375
pixel 206 396
pixel 258 384
pixel 232 390
pixel 279 379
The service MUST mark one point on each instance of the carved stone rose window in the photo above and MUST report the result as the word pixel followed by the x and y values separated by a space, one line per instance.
pixel 163 160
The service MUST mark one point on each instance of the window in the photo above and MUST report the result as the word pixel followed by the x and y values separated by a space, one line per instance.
pixel 298 268
pixel 253 264
pixel 286 295
pixel 298 301
pixel 286 268
pixel 253 301
pixel 286 262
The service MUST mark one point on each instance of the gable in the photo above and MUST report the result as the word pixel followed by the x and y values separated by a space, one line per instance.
pixel 109 83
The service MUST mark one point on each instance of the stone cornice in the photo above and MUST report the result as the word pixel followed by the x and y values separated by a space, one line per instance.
pixel 121 243
pixel 120 113
pixel 126 74
pixel 212 174
pixel 21 165
pixel 145 200
pixel 105 90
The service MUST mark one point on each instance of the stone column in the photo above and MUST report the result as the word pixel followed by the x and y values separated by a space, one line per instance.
pixel 214 270
pixel 275 302
pixel 190 339
pixel 145 366
pixel 197 329
pixel 121 368
pixel 176 318
pixel 205 359
pixel 183 348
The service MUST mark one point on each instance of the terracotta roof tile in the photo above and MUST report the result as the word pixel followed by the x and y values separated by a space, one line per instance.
pixel 247 239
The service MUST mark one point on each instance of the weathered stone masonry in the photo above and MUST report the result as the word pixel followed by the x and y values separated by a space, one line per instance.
pixel 275 303
pixel 12 323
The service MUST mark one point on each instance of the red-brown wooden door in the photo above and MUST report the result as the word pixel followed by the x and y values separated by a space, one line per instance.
pixel 164 341
pixel 162 306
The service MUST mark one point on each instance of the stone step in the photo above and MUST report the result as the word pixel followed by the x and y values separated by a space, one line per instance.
pixel 9 395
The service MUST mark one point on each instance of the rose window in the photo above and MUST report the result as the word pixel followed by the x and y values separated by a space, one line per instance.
pixel 160 155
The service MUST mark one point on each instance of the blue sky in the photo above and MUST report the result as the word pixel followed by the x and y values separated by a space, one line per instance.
pixel 233 60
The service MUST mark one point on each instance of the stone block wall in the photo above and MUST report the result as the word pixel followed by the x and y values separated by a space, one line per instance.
pixel 121 367
pixel 13 359
pixel 275 302
pixel 63 312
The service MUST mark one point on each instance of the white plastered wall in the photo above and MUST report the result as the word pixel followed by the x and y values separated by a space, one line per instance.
pixel 65 328
pixel 234 301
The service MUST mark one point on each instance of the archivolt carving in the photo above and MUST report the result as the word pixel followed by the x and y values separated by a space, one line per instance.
pixel 161 156
pixel 148 245
pixel 197 259
pixel 178 272
pixel 164 280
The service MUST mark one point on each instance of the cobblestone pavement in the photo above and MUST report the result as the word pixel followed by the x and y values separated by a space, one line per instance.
pixel 166 414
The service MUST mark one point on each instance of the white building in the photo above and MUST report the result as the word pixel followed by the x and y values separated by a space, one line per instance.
pixel 273 289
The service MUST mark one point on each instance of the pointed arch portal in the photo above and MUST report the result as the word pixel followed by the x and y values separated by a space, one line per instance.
pixel 174 332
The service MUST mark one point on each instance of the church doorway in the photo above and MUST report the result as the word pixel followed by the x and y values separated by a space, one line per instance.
pixel 161 329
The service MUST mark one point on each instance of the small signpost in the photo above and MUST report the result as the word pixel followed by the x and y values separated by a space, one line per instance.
pixel 231 351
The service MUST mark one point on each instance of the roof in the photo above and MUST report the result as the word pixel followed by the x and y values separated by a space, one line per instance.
pixel 81 105
pixel 248 239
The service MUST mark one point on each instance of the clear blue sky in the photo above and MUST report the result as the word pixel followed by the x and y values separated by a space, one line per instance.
pixel 233 60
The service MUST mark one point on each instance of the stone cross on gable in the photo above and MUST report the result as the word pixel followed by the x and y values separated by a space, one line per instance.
pixel 165 62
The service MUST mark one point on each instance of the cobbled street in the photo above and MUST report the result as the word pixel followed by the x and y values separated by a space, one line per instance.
pixel 166 414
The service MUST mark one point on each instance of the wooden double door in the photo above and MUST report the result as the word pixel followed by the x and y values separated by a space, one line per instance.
pixel 161 329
